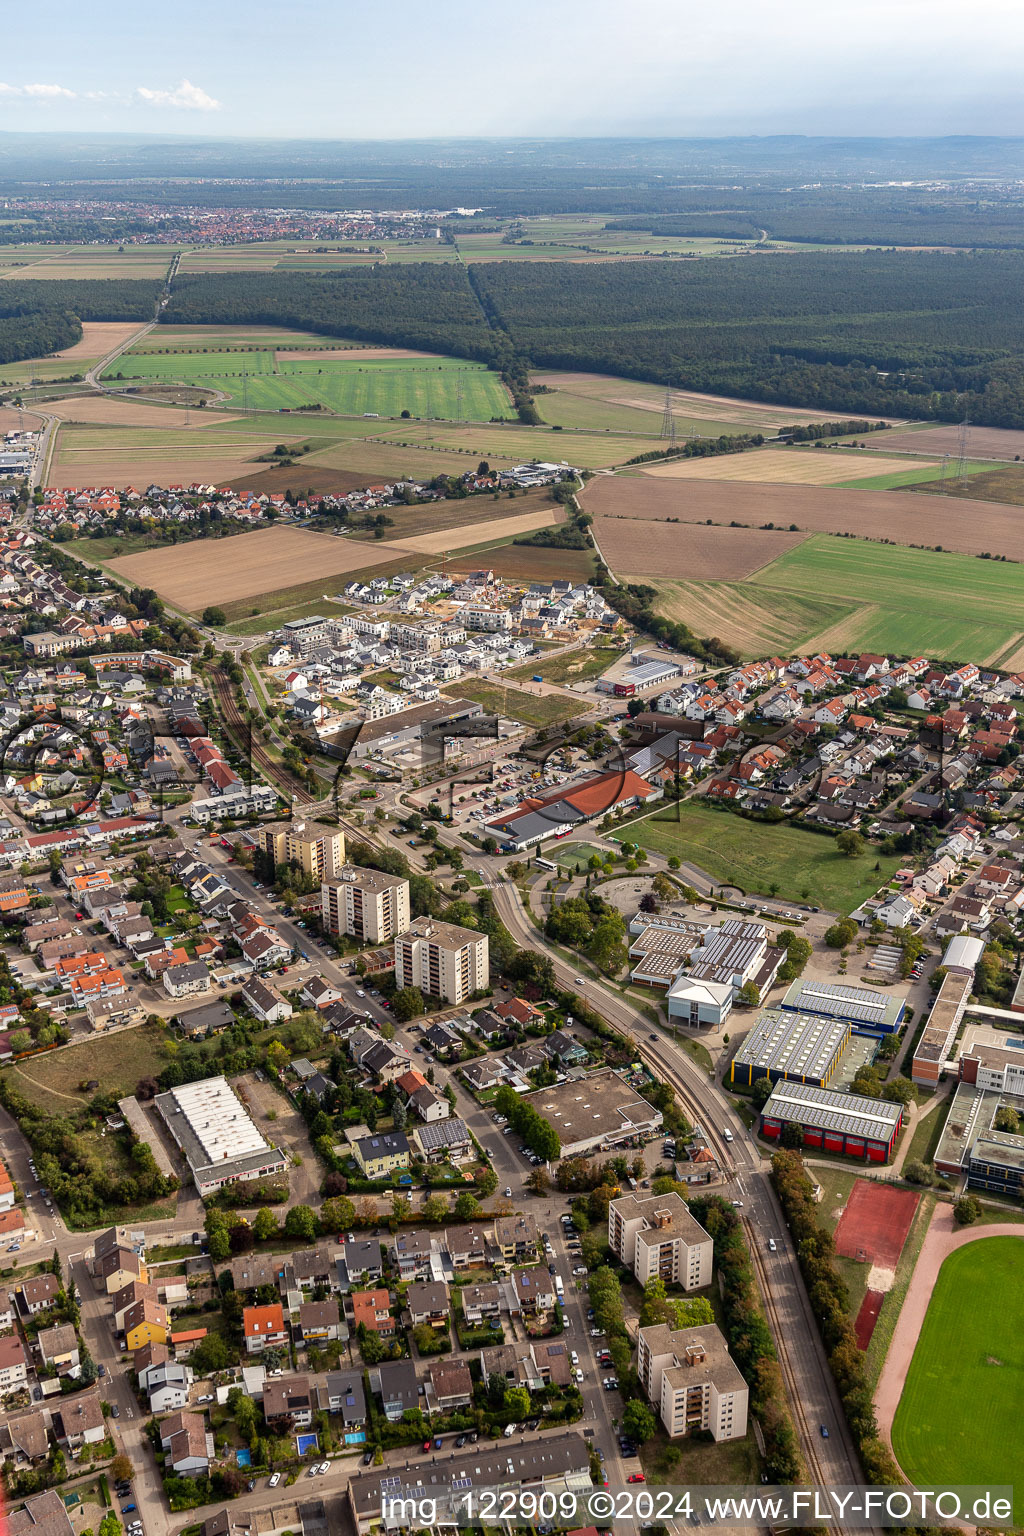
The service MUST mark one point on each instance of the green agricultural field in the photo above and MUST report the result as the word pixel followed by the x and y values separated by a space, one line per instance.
pixel 447 389
pixel 900 479
pixel 755 855
pixel 844 594
pixel 958 1420
pixel 911 601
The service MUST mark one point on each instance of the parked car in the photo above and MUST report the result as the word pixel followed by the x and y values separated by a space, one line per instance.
pixel 274 1479
pixel 367 1458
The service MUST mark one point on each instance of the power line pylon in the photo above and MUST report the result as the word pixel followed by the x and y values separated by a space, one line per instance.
pixel 963 438
pixel 668 421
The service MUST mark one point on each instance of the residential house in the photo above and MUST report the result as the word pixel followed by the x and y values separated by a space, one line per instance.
pixel 515 1237
pixel 263 1328
pixel 427 1301
pixel 382 1155
pixel 449 1386
pixel 319 1321
pixel 395 1382
pixel 186 1444
pixel 372 1310
pixel 413 1252
pixel 58 1347
pixel 79 1421
pixel 342 1393
pixel 145 1323
pixel 288 1397
pixel 13 1364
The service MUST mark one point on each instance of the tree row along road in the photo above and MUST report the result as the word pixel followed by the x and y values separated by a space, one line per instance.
pixel 802 1357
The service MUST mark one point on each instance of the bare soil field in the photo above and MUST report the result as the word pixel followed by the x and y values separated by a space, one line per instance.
pixel 688 551
pixel 12 420
pixel 100 337
pixel 111 410
pixel 194 575
pixel 524 562
pixel 970 527
pixel 352 354
pixel 651 397
pixel 478 533
pixel 982 443
pixel 787 466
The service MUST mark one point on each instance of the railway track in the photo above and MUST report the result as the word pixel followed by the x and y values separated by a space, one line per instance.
pixel 238 727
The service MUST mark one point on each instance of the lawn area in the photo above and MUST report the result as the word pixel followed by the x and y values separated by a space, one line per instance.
pixel 755 855
pixel 530 708
pixel 577 855
pixel 700 1463
pixel 116 1061
pixel 575 666
pixel 926 1135
pixel 959 1417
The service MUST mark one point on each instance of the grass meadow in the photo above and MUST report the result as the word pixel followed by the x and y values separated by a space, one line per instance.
pixel 755 855
pixel 267 380
pixel 959 1417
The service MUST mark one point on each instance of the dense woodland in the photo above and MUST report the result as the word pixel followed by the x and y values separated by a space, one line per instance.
pixel 869 332
pixel 37 318
pixel 423 305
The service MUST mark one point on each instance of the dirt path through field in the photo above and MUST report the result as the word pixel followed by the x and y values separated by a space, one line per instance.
pixel 943 1238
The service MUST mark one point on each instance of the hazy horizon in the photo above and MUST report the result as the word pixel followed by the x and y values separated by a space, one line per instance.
pixel 586 68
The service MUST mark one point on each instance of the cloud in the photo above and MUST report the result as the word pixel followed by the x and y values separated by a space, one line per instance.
pixel 186 97
pixel 39 92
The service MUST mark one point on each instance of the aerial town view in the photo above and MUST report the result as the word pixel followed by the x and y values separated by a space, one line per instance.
pixel 511 864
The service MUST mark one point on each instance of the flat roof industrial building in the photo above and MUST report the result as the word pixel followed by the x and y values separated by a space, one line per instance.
pixel 213 1129
pixel 595 1111
pixel 794 1047
pixel 845 1123
pixel 868 1011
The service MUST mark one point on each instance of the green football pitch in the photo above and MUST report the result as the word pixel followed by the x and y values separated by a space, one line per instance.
pixel 959 1419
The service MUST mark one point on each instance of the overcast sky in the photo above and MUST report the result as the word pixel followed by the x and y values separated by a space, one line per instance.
pixel 419 68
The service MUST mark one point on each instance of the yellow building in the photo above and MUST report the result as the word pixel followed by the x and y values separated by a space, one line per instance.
pixel 318 850
pixel 145 1323
pixel 379 1156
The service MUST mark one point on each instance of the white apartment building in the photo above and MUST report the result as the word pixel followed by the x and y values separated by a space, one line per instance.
pixel 443 959
pixel 482 616
pixel 657 1237
pixel 693 1381
pixel 366 903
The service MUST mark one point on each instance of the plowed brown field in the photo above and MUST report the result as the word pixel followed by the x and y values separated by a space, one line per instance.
pixel 100 337
pixel 688 551
pixel 982 442
pixel 970 527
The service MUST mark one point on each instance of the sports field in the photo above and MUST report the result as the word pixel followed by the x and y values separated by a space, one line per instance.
pixel 958 1420
pixel 841 594
pixel 755 855
pixel 271 379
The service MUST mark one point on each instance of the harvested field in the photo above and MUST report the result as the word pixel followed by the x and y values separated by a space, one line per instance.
pixel 100 337
pixel 194 575
pixel 476 533
pixel 637 396
pixel 755 622
pixel 115 411
pixel 12 420
pixel 204 460
pixel 788 466
pixel 982 442
pixel 1004 484
pixel 353 354
pixel 967 526
pixel 688 550
pixel 526 562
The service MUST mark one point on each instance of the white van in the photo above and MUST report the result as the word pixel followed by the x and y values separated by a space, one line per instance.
pixel 509 1431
